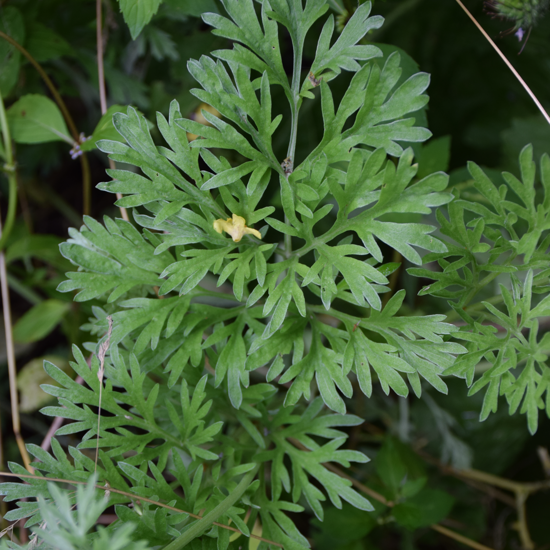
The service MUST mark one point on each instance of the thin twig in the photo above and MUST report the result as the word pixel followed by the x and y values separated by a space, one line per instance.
pixel 515 486
pixel 12 371
pixel 133 497
pixel 476 484
pixel 101 356
pixel 86 176
pixel 460 538
pixel 523 529
pixel 102 92
pixel 521 491
pixel 508 64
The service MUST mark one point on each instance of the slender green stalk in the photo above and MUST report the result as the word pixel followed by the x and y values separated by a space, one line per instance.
pixel 200 526
pixel 294 111
pixel 452 315
pixel 335 313
pixel 9 168
pixel 85 165
pixel 295 104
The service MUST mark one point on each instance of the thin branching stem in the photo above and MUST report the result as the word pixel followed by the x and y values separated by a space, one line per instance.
pixel 521 491
pixel 459 538
pixel 295 104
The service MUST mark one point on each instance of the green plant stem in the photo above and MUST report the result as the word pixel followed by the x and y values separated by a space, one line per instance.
pixel 295 104
pixel 294 111
pixel 452 315
pixel 293 131
pixel 201 525
pixel 85 165
pixel 335 313
pixel 10 173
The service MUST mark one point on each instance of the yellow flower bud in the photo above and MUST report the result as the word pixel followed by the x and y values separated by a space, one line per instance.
pixel 236 227
pixel 197 116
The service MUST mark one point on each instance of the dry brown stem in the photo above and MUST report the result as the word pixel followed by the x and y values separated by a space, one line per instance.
pixel 12 369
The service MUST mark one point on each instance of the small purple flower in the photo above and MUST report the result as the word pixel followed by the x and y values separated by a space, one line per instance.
pixel 519 34
pixel 75 152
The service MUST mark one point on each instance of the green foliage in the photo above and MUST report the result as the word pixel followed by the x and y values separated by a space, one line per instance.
pixel 104 129
pixel 11 24
pixel 524 13
pixel 504 240
pixel 404 479
pixel 137 13
pixel 37 119
pixel 253 296
pixel 68 530
pixel 44 44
